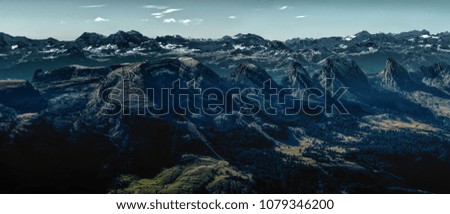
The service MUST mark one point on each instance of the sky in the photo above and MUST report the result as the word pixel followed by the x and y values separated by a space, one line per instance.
pixel 272 19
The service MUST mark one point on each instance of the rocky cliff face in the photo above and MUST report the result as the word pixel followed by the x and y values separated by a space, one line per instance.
pixel 436 75
pixel 297 77
pixel 346 71
pixel 395 77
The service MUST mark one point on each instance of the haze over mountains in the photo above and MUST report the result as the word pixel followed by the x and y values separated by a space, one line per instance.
pixel 394 139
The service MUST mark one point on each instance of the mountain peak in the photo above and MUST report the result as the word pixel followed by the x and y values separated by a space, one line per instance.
pixel 251 72
pixel 346 71
pixel 131 32
pixel 250 39
pixel 393 67
pixel 363 33
pixel 248 36
pixel 126 39
pixel 412 34
pixel 89 39
pixel 90 35
pixel 437 74
pixel 391 63
pixel 175 39
pixel 297 77
pixel 395 76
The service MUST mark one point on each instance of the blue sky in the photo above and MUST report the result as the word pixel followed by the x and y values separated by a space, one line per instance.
pixel 272 19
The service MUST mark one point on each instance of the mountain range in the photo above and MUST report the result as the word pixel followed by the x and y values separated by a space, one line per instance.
pixel 54 137
pixel 20 56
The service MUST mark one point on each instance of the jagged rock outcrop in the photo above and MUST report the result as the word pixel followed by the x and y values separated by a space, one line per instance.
pixel 297 77
pixel 394 77
pixel 436 75
pixel 345 72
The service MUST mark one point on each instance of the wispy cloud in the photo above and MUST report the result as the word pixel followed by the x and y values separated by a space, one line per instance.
pixel 171 20
pixel 300 17
pixel 183 21
pixel 171 10
pixel 283 8
pixel 93 6
pixel 163 13
pixel 100 19
pixel 232 17
pixel 158 7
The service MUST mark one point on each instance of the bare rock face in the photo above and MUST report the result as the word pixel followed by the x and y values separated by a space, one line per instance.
pixel 394 77
pixel 297 77
pixel 345 71
pixel 436 75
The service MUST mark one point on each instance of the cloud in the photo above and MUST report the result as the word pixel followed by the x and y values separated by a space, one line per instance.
pixel 171 20
pixel 157 14
pixel 158 7
pixel 167 11
pixel 93 6
pixel 232 17
pixel 185 21
pixel 171 10
pixel 100 19
pixel 283 8
pixel 300 17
